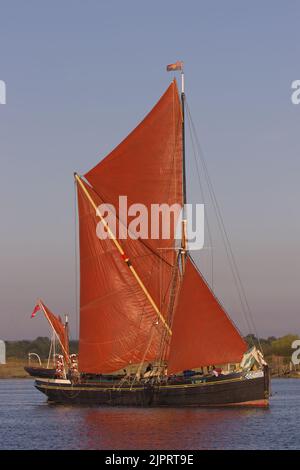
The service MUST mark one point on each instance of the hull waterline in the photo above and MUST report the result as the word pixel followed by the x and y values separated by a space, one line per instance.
pixel 239 391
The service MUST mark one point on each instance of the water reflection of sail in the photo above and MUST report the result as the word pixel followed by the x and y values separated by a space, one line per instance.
pixel 164 428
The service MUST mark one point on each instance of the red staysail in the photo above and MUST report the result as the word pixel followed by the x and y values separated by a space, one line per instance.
pixel 202 332
pixel 118 325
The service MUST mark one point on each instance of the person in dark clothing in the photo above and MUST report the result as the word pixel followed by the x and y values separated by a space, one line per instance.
pixel 149 367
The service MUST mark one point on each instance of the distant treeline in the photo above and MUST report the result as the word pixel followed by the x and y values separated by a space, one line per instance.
pixel 274 346
pixel 41 345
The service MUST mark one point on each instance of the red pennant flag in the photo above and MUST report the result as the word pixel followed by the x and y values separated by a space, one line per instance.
pixel 36 309
pixel 177 66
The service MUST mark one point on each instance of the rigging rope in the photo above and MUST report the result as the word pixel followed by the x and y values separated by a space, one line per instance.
pixel 204 202
pixel 76 262
pixel 229 252
pixel 165 340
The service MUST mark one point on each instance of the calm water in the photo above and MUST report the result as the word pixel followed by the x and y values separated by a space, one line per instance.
pixel 28 422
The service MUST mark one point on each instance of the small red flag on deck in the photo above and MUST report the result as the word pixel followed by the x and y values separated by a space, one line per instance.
pixel 177 66
pixel 35 310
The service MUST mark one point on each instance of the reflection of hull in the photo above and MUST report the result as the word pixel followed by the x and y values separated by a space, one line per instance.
pixel 225 392
pixel 41 372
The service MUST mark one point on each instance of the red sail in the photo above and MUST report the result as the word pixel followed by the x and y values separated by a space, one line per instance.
pixel 118 325
pixel 147 166
pixel 202 332
pixel 59 328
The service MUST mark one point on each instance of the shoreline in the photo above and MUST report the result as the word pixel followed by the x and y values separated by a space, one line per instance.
pixel 14 369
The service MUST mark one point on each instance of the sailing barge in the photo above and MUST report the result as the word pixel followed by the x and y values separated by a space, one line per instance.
pixel 142 299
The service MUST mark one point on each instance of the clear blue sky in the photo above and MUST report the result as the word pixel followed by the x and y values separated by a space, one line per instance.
pixel 80 75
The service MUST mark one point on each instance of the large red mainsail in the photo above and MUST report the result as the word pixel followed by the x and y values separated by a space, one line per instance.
pixel 118 325
pixel 202 332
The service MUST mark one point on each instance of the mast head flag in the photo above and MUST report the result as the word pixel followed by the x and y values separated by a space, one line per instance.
pixel 36 309
pixel 176 66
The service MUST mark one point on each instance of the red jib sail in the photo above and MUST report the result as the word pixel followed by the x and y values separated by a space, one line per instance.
pixel 202 332
pixel 58 327
pixel 118 325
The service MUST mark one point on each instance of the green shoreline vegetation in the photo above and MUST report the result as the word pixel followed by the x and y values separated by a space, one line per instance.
pixel 277 351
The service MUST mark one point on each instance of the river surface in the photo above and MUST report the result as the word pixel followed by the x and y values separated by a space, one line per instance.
pixel 28 422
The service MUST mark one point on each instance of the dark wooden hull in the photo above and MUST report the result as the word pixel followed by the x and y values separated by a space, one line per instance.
pixel 226 392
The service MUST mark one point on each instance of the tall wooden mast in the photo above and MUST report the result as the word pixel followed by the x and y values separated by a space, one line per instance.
pixel 182 252
pixel 183 138
pixel 183 249
pixel 184 221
